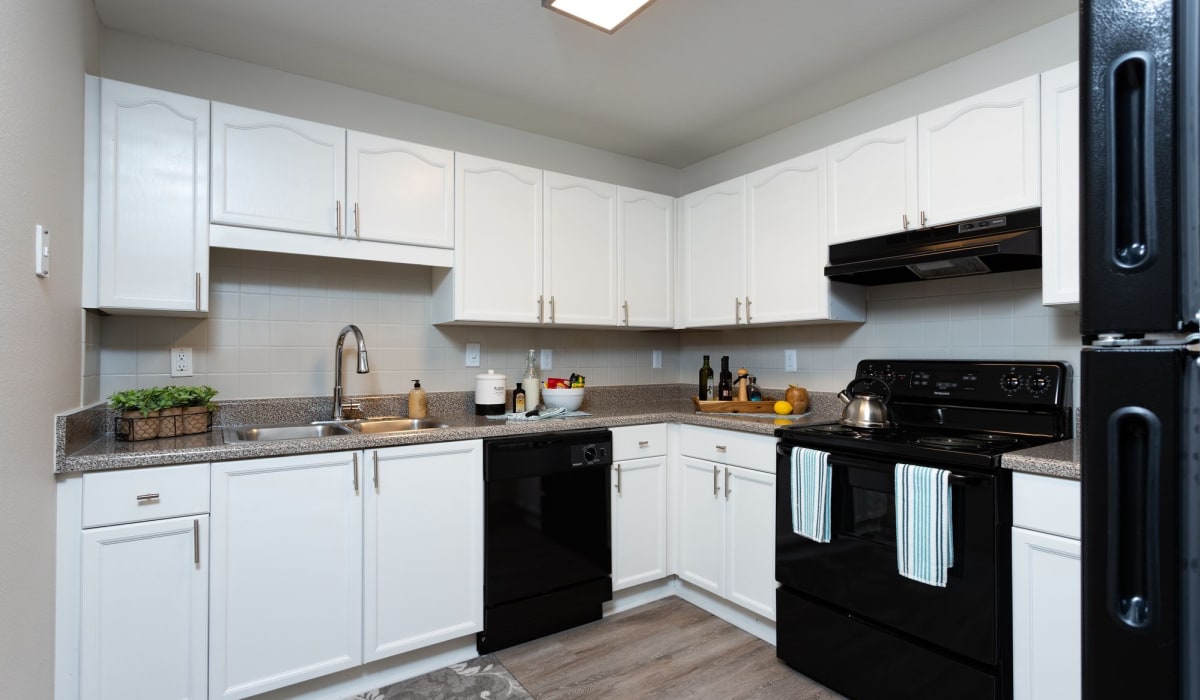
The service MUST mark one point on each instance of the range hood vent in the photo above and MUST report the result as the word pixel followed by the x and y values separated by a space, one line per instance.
pixel 1001 243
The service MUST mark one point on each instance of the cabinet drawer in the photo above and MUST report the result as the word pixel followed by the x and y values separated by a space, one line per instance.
pixel 1047 504
pixel 728 447
pixel 633 441
pixel 144 494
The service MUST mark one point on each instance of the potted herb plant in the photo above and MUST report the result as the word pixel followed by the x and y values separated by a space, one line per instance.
pixel 197 404
pixel 170 400
pixel 139 413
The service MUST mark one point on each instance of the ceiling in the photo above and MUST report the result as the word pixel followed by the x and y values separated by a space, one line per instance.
pixel 684 80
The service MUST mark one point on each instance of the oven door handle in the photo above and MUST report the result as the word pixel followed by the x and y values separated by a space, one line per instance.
pixel 955 479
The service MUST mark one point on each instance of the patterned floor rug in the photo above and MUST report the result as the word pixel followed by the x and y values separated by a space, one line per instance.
pixel 482 677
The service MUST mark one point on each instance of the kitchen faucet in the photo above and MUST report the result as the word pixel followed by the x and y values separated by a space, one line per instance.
pixel 338 407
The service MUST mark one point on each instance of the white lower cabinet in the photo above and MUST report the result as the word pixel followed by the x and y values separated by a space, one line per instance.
pixel 144 611
pixel 726 520
pixel 422 546
pixel 639 521
pixel 325 562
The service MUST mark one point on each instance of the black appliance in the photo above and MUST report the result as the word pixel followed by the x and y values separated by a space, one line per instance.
pixel 547 555
pixel 998 243
pixel 1140 301
pixel 845 616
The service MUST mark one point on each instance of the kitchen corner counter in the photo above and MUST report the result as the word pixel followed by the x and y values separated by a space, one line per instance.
pixel 104 452
pixel 1060 459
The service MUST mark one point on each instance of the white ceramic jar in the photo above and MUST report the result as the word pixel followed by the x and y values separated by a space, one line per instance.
pixel 489 393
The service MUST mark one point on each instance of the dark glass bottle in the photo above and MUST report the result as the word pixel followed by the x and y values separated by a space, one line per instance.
pixel 518 399
pixel 706 381
pixel 725 387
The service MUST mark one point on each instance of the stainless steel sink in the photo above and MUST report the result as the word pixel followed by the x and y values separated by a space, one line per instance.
pixel 258 433
pixel 395 425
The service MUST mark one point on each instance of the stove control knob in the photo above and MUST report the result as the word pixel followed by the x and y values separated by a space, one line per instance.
pixel 1011 383
pixel 1039 383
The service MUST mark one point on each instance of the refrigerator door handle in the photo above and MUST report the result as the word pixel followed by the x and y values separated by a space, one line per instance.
pixel 1131 222
pixel 1134 542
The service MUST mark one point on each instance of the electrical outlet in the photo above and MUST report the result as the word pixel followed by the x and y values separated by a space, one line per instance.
pixel 789 360
pixel 547 358
pixel 656 359
pixel 181 362
pixel 472 354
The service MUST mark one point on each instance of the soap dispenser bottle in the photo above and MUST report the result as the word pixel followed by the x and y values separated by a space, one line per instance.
pixel 416 401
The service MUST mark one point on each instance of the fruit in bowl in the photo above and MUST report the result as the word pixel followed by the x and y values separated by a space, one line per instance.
pixel 570 399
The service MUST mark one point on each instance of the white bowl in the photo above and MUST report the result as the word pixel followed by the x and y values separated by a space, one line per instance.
pixel 570 399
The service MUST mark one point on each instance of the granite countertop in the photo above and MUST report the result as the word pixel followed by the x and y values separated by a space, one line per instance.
pixel 1059 459
pixel 85 443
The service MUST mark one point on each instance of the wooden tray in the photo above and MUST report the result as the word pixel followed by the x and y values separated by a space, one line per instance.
pixel 733 406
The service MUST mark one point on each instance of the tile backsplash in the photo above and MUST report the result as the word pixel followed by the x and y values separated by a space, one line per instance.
pixel 273 321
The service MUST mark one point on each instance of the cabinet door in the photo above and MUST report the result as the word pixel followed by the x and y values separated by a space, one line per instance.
pixel 701 524
pixel 750 539
pixel 579 264
pixel 398 192
pixel 153 226
pixel 646 223
pixel 980 155
pixel 423 546
pixel 785 211
pixel 286 571
pixel 639 521
pixel 497 241
pixel 712 263
pixel 144 610
pixel 873 183
pixel 277 173
pixel 1060 185
pixel 1046 618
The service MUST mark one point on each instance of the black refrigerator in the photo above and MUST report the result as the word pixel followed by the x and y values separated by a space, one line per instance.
pixel 1140 365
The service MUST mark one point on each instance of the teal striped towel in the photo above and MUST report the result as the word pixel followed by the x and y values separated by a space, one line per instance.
pixel 810 493
pixel 924 534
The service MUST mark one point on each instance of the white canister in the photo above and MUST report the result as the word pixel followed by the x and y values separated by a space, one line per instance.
pixel 489 393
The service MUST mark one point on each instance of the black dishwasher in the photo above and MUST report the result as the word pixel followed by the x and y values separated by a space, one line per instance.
pixel 547 555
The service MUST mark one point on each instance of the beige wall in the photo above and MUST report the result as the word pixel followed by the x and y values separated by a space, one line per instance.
pixel 45 47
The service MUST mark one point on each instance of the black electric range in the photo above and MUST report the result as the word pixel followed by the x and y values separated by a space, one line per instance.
pixel 845 616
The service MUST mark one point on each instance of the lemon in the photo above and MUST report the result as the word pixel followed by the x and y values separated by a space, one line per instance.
pixel 783 408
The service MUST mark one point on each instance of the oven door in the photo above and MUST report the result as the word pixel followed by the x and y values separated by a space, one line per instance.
pixel 856 571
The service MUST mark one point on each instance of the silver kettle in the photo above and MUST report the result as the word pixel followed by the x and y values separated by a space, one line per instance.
pixel 866 403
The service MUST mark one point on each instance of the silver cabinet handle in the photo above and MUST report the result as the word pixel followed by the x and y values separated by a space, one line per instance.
pixel 551 308
pixel 626 306
pixel 197 291
pixel 618 479
pixel 904 220
pixel 737 310
pixel 338 227
pixel 643 443
pixel 720 448
pixel 727 483
pixel 355 472
pixel 541 308
pixel 357 225
pixel 747 309
pixel 922 218
pixel 716 473
pixel 142 498
pixel 375 454
pixel 196 541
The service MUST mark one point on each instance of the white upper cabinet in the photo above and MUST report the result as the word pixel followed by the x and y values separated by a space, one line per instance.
pixel 873 183
pixel 1060 185
pixel 786 247
pixel 275 172
pixel 147 179
pixel 646 226
pixel 398 192
pixel 980 156
pixel 711 248
pixel 497 275
pixel 579 260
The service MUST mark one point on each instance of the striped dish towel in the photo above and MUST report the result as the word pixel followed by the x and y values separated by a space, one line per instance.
pixel 924 535
pixel 810 494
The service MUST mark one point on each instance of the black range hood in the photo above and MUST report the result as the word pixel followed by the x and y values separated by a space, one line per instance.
pixel 1000 243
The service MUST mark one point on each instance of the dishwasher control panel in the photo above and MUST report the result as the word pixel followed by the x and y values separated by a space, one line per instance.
pixel 587 454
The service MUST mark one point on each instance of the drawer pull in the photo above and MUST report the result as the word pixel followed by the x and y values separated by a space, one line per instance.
pixel 618 479
pixel 716 489
pixel 643 443
pixel 727 483
pixel 146 497
pixel 720 448
pixel 196 541
pixel 355 472
pixel 376 454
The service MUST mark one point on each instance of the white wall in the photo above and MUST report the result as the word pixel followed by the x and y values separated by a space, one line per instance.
pixel 1048 46
pixel 45 48
pixel 153 63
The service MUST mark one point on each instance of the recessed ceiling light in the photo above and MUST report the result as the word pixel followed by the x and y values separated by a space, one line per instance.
pixel 606 15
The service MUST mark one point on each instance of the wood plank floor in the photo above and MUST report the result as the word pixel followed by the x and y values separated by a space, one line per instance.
pixel 667 649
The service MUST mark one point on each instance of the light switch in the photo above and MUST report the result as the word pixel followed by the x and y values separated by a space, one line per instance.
pixel 41 253
pixel 472 355
pixel 547 358
pixel 789 360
